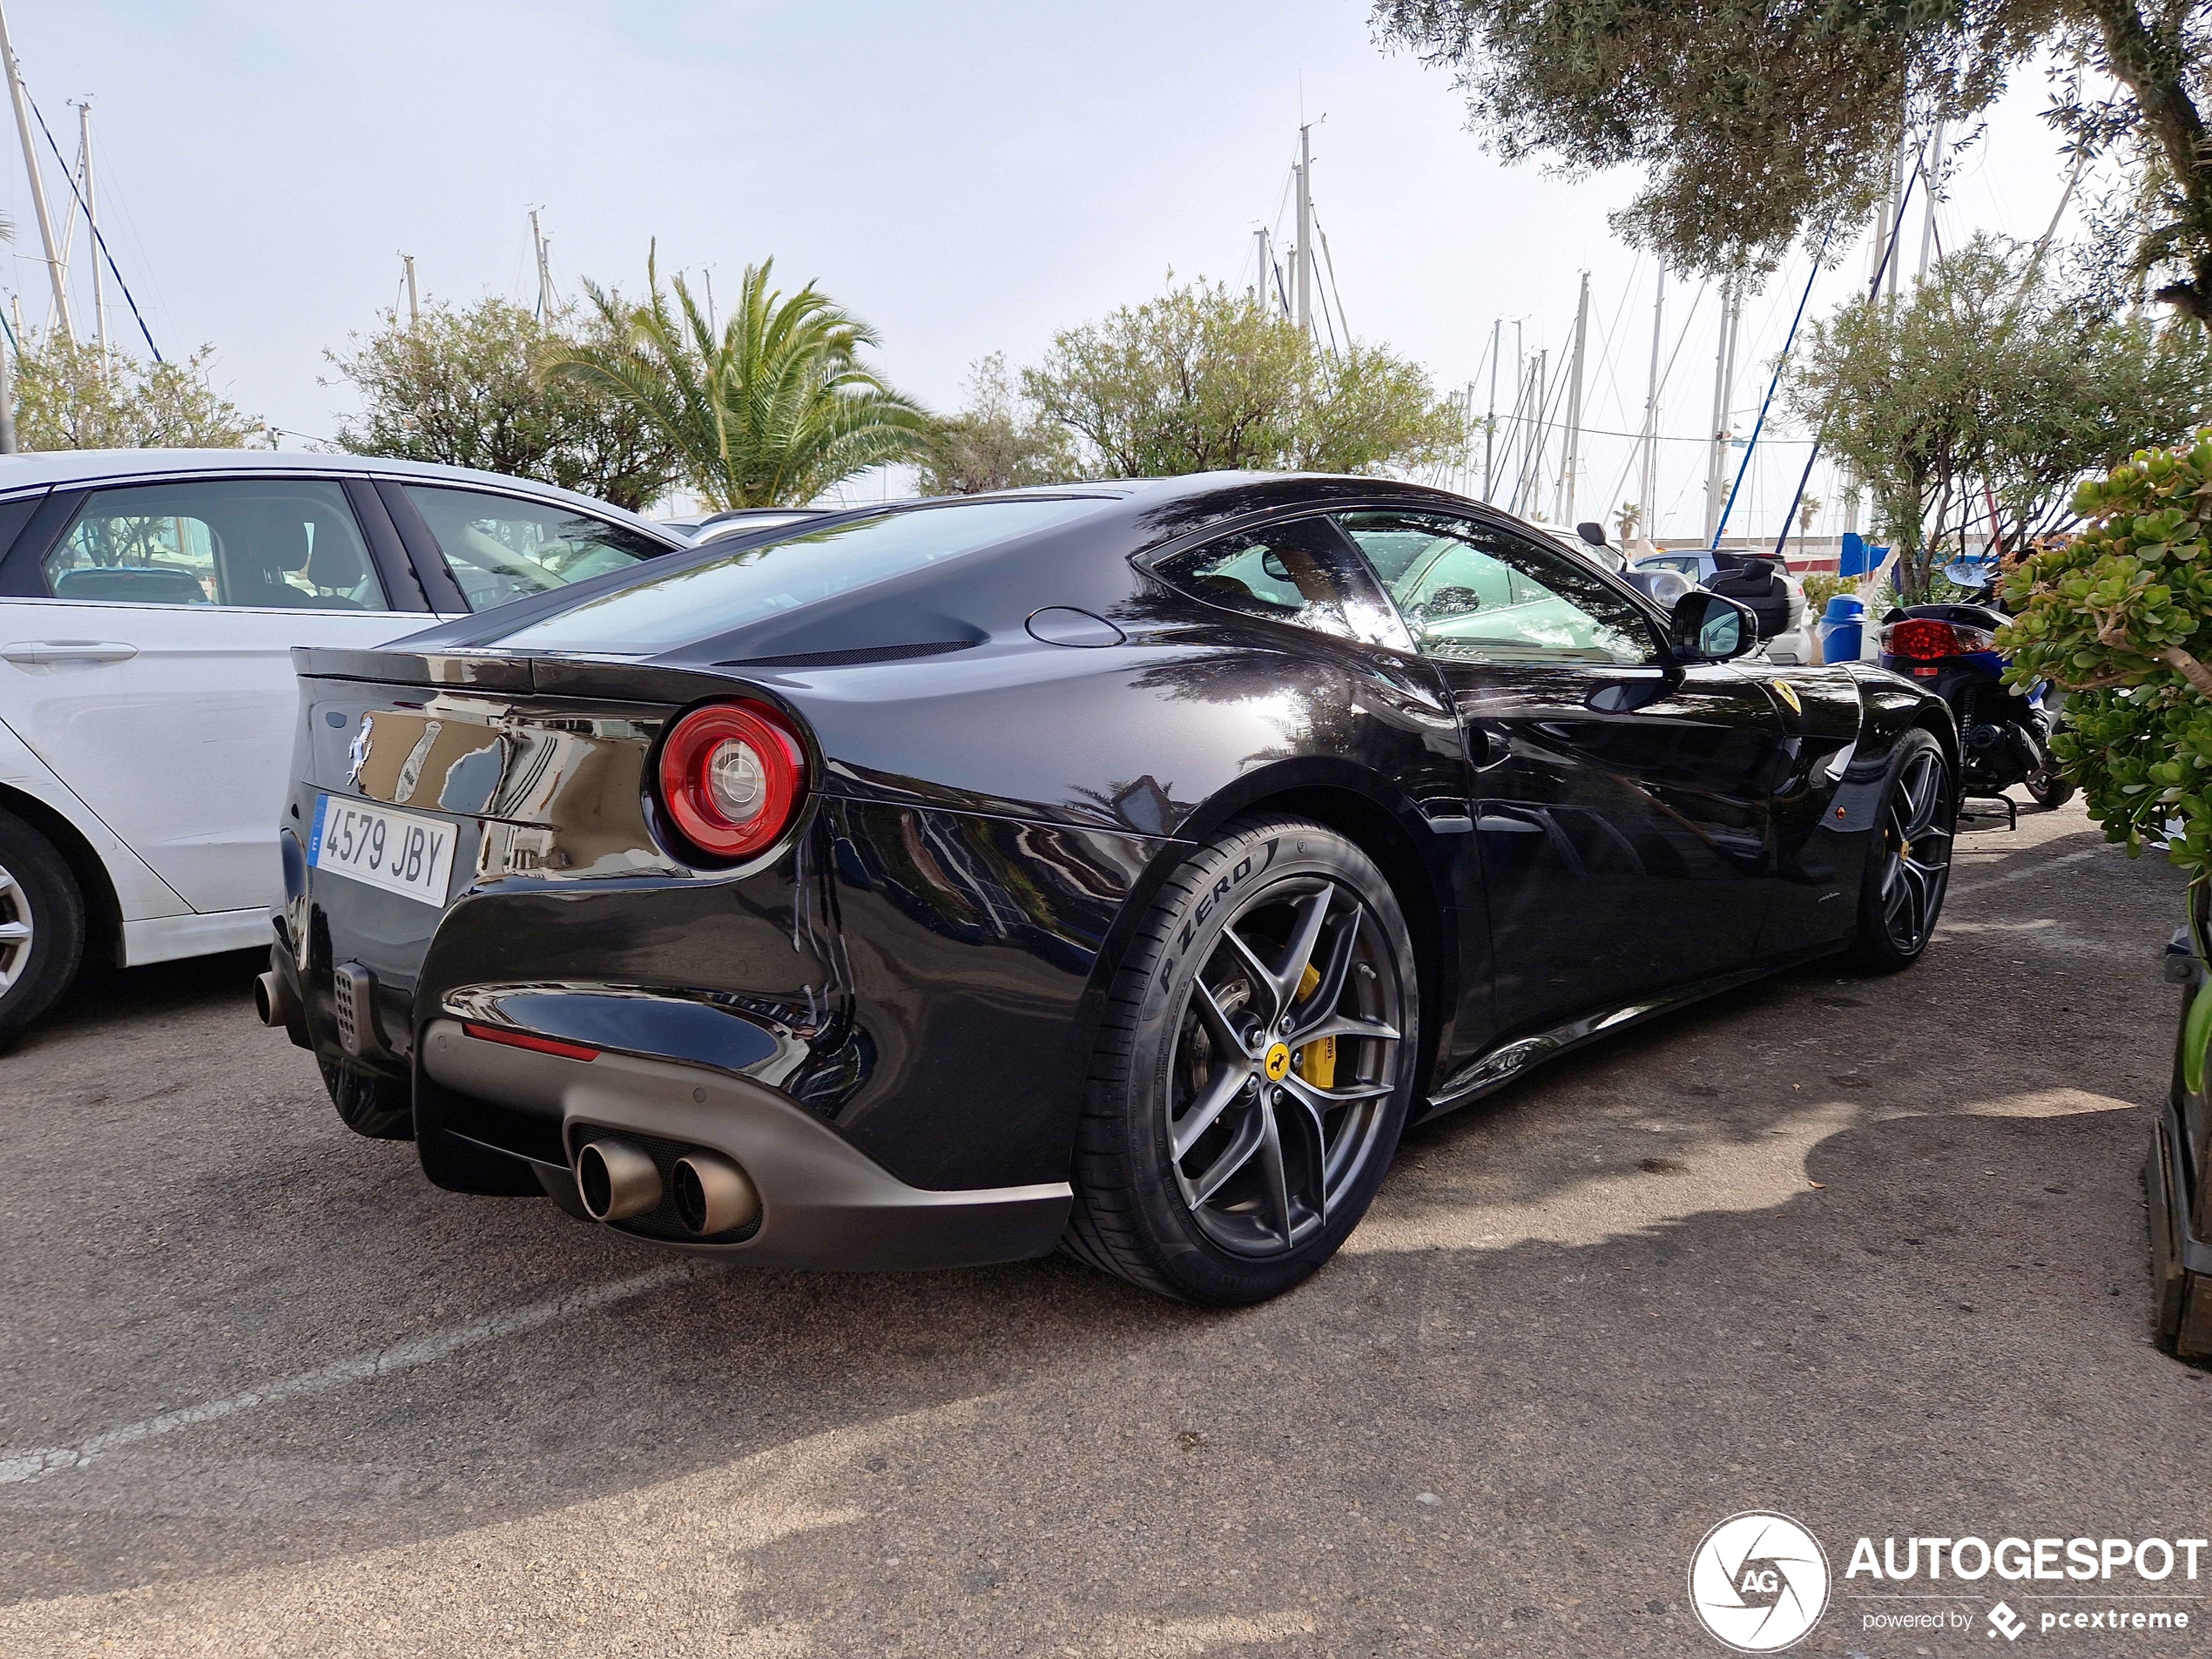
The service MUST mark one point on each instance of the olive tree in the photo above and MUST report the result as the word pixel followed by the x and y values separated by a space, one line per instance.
pixel 1756 123
pixel 72 395
pixel 463 386
pixel 1201 379
pixel 1000 440
pixel 1983 389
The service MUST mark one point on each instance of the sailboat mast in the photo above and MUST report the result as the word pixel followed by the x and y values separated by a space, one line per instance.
pixel 1303 278
pixel 544 275
pixel 16 94
pixel 1933 167
pixel 92 224
pixel 1490 426
pixel 1723 374
pixel 1571 460
pixel 1648 484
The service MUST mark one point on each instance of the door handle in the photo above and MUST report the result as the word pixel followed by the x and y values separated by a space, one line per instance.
pixel 67 651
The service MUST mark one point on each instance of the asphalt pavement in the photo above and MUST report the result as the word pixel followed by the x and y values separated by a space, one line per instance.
pixel 1868 1252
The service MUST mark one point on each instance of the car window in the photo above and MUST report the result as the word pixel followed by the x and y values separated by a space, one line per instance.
pixel 501 547
pixel 1300 572
pixel 1472 593
pixel 1689 567
pixel 284 542
pixel 697 599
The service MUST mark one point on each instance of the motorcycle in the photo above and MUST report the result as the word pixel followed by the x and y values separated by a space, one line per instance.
pixel 2005 735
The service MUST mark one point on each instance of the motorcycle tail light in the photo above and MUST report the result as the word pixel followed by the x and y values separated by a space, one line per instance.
pixel 731 776
pixel 1923 637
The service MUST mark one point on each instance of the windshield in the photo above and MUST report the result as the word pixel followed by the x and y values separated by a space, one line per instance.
pixel 677 607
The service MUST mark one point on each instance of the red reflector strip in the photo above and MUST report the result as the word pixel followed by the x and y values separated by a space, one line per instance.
pixel 526 1040
pixel 1927 673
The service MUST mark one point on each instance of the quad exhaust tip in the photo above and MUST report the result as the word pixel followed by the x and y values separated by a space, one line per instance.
pixel 273 1001
pixel 617 1179
pixel 713 1194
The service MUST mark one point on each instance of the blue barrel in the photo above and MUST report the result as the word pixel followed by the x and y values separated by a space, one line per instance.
pixel 1840 628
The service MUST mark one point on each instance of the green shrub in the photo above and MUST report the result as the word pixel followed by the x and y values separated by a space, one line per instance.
pixel 2121 617
pixel 1821 588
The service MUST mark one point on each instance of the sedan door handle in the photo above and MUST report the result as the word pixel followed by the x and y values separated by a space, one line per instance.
pixel 67 651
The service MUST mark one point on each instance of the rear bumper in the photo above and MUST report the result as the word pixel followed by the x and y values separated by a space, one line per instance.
pixel 824 1203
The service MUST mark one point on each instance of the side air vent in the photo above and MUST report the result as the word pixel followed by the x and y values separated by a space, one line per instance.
pixel 855 654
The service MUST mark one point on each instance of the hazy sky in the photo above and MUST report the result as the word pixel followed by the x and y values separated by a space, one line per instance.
pixel 969 177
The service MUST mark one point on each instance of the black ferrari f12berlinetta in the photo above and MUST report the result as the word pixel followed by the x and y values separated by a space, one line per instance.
pixel 1118 867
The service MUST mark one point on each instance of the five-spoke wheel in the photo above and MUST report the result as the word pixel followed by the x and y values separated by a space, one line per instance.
pixel 1253 1068
pixel 1908 863
pixel 1286 1052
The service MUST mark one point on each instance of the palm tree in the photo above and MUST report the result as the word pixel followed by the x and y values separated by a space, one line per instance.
pixel 773 413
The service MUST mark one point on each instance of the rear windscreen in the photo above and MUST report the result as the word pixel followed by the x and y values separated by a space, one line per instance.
pixel 659 612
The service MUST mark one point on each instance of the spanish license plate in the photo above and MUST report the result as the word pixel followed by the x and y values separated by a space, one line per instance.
pixel 397 852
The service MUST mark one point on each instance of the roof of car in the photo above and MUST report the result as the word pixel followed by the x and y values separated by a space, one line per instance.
pixel 48 467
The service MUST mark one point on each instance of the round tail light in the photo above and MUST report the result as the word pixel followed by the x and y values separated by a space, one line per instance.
pixel 731 778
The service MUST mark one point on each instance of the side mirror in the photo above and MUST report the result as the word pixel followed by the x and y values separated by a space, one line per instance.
pixel 1710 628
pixel 1452 601
pixel 1591 531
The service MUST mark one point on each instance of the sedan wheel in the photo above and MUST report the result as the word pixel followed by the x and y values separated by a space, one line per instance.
pixel 1908 858
pixel 18 924
pixel 1253 1070
pixel 42 925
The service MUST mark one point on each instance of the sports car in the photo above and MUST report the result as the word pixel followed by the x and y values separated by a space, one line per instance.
pixel 1119 867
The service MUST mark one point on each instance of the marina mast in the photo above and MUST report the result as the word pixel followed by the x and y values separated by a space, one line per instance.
pixel 55 272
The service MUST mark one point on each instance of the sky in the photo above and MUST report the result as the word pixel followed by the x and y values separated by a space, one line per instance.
pixel 969 177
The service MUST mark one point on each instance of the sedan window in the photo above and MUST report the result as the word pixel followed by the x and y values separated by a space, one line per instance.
pixel 502 547
pixel 291 543
pixel 1471 593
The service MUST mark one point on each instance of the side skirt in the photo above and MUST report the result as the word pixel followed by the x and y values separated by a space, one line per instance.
pixel 1490 1072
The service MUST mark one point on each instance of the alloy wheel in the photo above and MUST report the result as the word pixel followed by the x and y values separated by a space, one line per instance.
pixel 1287 1055
pixel 15 930
pixel 1916 851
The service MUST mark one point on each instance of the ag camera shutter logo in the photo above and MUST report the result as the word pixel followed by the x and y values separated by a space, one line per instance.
pixel 1759 1583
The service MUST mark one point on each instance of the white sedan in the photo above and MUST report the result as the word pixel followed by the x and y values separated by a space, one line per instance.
pixel 149 600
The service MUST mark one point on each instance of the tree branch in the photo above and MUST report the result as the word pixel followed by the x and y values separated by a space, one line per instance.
pixel 2189 668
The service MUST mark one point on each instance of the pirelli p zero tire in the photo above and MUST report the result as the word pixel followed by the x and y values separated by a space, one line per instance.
pixel 1908 857
pixel 1253 1070
pixel 42 927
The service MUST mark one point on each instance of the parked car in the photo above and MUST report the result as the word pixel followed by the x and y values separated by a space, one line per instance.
pixel 1790 639
pixel 148 599
pixel 1587 538
pixel 1113 865
pixel 698 527
pixel 1121 865
pixel 2181 1152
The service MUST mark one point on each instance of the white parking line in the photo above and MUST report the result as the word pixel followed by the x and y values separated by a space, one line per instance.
pixel 16 1467
pixel 1957 887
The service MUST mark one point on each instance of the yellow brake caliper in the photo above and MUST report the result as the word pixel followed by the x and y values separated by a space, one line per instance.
pixel 1316 1062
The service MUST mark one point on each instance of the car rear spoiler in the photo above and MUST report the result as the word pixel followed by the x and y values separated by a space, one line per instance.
pixel 616 678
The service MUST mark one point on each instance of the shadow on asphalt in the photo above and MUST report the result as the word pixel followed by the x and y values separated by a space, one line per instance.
pixel 103 994
pixel 1868 1251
